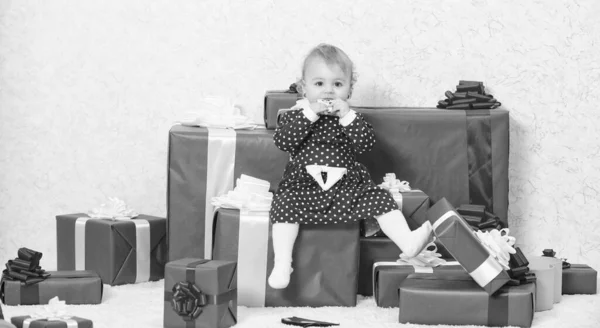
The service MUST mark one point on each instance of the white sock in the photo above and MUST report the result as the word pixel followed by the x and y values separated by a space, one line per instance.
pixel 394 225
pixel 284 237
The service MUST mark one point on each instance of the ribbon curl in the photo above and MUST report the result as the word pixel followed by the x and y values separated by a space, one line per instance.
pixel 188 301
pixel 429 257
pixel 115 209
pixel 499 244
pixel 250 194
pixel 25 268
pixel 392 184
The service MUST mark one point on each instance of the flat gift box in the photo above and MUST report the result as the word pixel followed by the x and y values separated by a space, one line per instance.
pixel 112 248
pixel 276 100
pixel 465 247
pixel 372 249
pixel 388 275
pixel 45 323
pixel 579 279
pixel 73 287
pixel 325 261
pixel 209 294
pixel 455 299
pixel 415 204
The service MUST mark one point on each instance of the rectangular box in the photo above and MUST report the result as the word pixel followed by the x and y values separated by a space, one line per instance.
pixel 388 275
pixel 371 249
pixel 276 100
pixel 455 299
pixel 200 293
pixel 121 252
pixel 414 207
pixel 20 321
pixel 579 279
pixel 325 261
pixel 73 287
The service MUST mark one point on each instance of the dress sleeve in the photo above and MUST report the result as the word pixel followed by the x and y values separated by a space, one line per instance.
pixel 294 128
pixel 360 133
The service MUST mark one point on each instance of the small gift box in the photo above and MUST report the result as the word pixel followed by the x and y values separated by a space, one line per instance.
pixel 466 247
pixel 52 315
pixel 579 279
pixel 74 287
pixel 121 251
pixel 200 293
pixel 276 100
pixel 455 299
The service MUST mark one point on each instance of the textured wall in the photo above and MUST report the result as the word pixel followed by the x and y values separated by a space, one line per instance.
pixel 88 91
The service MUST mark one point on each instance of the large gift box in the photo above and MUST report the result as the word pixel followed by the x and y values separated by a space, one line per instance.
pixel 372 249
pixel 200 294
pixel 414 206
pixel 276 100
pixel 455 299
pixel 73 287
pixel 579 279
pixel 388 275
pixel 325 261
pixel 67 322
pixel 461 242
pixel 457 154
pixel 120 251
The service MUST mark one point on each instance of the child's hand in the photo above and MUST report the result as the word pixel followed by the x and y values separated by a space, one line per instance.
pixel 318 107
pixel 340 108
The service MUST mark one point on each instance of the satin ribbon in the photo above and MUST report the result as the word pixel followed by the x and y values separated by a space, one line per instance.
pixel 219 176
pixel 334 174
pixel 417 268
pixel 253 247
pixel 498 245
pixel 54 311
pixel 426 259
pixel 142 246
pixel 486 271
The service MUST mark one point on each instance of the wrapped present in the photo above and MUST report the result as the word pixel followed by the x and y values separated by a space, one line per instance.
pixel 457 154
pixel 200 293
pixel 431 299
pixel 74 287
pixel 67 322
pixel 120 251
pixel 276 100
pixel 325 261
pixel 579 279
pixel 372 249
pixel 467 248
pixel 204 163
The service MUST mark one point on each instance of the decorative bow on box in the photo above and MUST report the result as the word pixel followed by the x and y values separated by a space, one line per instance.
pixel 249 194
pixel 478 218
pixel 218 112
pixel 115 209
pixel 469 95
pixel 429 257
pixel 25 268
pixel 394 185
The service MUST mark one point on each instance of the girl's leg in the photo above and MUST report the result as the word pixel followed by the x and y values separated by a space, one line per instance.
pixel 411 243
pixel 284 236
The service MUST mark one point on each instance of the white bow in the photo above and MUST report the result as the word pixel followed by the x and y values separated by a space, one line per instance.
pixel 115 209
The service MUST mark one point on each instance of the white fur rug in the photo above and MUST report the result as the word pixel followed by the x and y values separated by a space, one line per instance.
pixel 141 305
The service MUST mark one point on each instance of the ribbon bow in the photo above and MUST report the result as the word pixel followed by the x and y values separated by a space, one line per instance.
pixel 115 209
pixel 25 268
pixel 390 182
pixel 55 310
pixel 429 257
pixel 187 300
pixel 250 194
pixel 499 244
pixel 549 252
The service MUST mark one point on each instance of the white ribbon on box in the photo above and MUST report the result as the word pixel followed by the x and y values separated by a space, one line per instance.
pixel 117 210
pixel 396 187
pixel 54 311
pixel 218 112
pixel 252 197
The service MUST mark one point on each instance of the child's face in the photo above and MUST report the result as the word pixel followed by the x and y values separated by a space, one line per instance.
pixel 325 81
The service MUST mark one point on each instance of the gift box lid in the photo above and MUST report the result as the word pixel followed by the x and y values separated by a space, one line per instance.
pixel 45 323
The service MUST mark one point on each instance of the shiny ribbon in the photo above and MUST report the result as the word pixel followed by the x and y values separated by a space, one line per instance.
pixel 142 246
pixel 253 246
pixel 426 259
pixel 499 244
pixel 486 271
pixel 187 300
pixel 219 176
pixel 54 311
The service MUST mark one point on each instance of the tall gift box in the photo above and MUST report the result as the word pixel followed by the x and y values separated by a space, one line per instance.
pixel 200 294
pixel 457 154
pixel 120 251
pixel 73 287
pixel 459 239
pixel 325 261
pixel 455 299
pixel 276 100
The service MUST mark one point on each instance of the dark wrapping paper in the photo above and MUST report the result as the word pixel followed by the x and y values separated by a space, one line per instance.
pixel 579 279
pixel 464 246
pixel 274 101
pixel 217 280
pixel 44 323
pixel 255 155
pixel 387 278
pixel 325 262
pixel 371 249
pixel 460 155
pixel 111 247
pixel 414 207
pixel 73 287
pixel 455 299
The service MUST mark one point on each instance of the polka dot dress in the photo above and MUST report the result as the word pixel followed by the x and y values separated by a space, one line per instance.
pixel 300 199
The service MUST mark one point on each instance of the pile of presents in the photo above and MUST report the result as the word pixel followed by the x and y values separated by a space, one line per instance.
pixel 214 249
